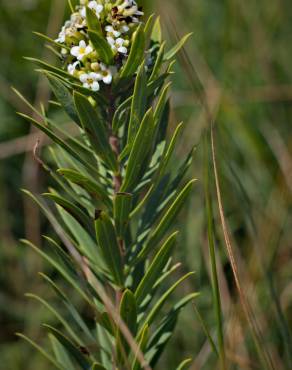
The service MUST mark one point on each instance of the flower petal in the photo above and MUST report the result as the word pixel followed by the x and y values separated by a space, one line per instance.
pixel 95 86
pixel 83 78
pixel 107 79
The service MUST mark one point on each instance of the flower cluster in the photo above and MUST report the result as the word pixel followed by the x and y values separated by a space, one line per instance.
pixel 118 20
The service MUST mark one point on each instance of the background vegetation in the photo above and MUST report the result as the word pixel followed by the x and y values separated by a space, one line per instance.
pixel 236 70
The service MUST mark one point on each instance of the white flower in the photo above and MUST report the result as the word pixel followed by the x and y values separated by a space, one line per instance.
pixel 105 74
pixel 81 51
pixel 90 81
pixel 72 67
pixel 111 32
pixel 118 44
pixel 93 5
pixel 124 28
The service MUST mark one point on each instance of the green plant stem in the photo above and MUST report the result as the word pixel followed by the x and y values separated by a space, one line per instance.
pixel 211 243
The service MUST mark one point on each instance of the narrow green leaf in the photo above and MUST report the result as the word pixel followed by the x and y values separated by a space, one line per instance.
pixel 61 354
pixel 141 202
pixel 156 35
pixel 93 22
pixel 91 186
pixel 56 138
pixel 72 7
pixel 107 323
pixel 95 130
pixel 143 338
pixel 47 38
pixel 169 150
pixel 128 313
pixel 48 67
pixel 70 347
pixel 70 278
pixel 66 325
pixel 140 153
pixel 69 306
pixel 166 221
pixel 122 209
pixel 102 47
pixel 159 304
pixel 172 52
pixel 159 109
pixel 211 243
pixel 138 106
pixel 72 209
pixel 155 269
pixel 107 240
pixel 158 62
pixel 165 330
pixel 206 330
pixel 148 28
pixel 185 364
pixel 119 118
pixel 64 96
pixel 136 54
pixel 97 366
pixel 42 351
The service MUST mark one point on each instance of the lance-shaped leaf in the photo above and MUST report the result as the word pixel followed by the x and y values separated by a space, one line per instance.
pixel 61 354
pixel 68 276
pixel 138 106
pixel 95 130
pixel 91 186
pixel 74 351
pixel 156 35
pixel 158 62
pixel 50 40
pixel 64 96
pixel 166 221
pixel 172 52
pixel 62 320
pixel 68 146
pixel 184 364
pixel 128 313
pixel 159 304
pixel 50 68
pixel 160 107
pixel 69 306
pixel 148 28
pixel 143 338
pixel 169 150
pixel 155 269
pixel 107 323
pixel 102 47
pixel 122 210
pixel 93 22
pixel 139 153
pixel 136 54
pixel 165 330
pixel 44 353
pixel 107 240
pixel 128 310
pixel 72 209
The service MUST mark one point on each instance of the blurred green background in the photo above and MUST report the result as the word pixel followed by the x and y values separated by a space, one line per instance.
pixel 238 64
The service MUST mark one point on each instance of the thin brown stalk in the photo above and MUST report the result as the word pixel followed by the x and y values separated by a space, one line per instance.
pixel 263 354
